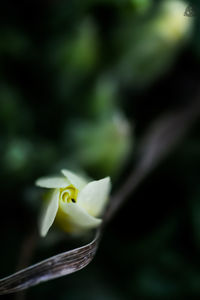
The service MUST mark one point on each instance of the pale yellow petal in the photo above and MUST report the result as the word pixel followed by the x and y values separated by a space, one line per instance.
pixel 94 196
pixel 78 217
pixel 49 213
pixel 52 182
pixel 75 180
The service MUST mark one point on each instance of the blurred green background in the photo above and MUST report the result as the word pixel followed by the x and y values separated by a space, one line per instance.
pixel 80 83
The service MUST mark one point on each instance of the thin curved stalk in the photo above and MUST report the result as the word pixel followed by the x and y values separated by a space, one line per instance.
pixel 56 266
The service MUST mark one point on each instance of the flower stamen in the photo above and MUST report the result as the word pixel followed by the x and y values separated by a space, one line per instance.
pixel 68 194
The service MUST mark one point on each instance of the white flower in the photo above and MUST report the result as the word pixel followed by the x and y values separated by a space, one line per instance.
pixel 74 203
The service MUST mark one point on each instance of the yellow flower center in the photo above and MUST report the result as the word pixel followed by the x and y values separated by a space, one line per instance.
pixel 68 194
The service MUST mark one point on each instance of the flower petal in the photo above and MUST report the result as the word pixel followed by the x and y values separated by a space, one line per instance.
pixel 77 217
pixel 94 196
pixel 52 182
pixel 75 180
pixel 49 213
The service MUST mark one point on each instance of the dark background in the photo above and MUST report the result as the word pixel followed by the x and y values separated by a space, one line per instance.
pixel 80 84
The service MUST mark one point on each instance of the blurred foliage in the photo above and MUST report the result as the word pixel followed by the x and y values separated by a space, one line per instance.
pixel 80 81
